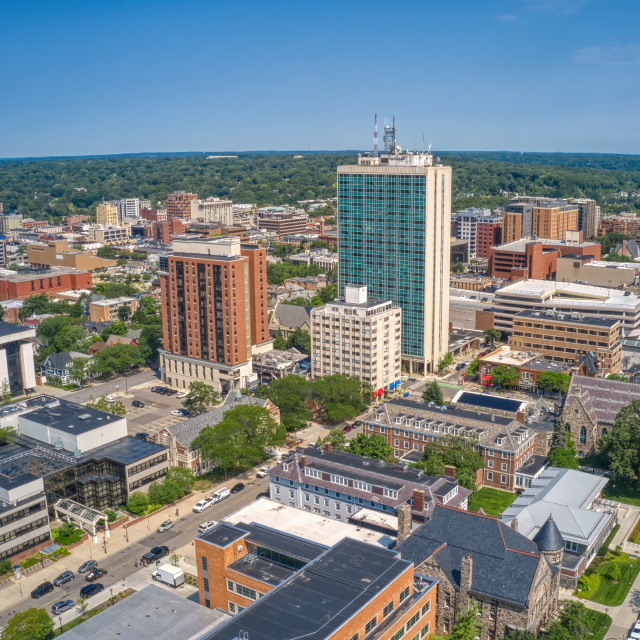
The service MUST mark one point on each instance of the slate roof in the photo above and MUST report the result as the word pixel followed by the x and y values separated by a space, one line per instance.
pixel 186 432
pixel 632 247
pixel 566 495
pixel 62 360
pixel 590 362
pixel 134 334
pixel 549 537
pixel 289 315
pixel 90 326
pixel 504 561
pixel 601 398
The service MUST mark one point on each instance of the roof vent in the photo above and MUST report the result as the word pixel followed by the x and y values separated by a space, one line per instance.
pixel 77 453
pixel 99 419
pixel 108 417
pixel 58 445
pixel 70 427
pixel 84 416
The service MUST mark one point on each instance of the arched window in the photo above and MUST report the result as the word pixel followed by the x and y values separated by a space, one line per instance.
pixel 583 435
pixel 567 426
pixel 604 431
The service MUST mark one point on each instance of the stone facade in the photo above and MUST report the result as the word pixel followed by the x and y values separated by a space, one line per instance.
pixel 585 433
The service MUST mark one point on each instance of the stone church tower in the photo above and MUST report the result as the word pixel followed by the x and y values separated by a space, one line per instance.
pixel 550 542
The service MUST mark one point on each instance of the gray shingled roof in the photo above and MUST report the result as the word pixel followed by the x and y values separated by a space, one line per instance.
pixel 602 398
pixel 289 315
pixel 62 360
pixel 504 561
pixel 549 537
pixel 186 432
pixel 134 334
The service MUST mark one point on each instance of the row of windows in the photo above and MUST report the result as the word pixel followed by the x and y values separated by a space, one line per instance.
pixel 23 513
pixel 148 479
pixel 24 529
pixel 243 591
pixel 147 464
pixel 7 553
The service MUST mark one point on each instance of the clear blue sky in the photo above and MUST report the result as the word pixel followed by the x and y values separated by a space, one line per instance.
pixel 116 76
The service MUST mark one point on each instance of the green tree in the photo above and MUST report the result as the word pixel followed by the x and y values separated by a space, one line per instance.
pixel 328 293
pixel 457 267
pixel 35 305
pixel 447 360
pixel 565 458
pixel 124 312
pixel 183 477
pixel 569 622
pixel 290 394
pixel 373 446
pixel 553 381
pixel 299 340
pixel 32 624
pixel 472 369
pixel 335 438
pixel 619 377
pixel 117 328
pixel 341 396
pixel 505 376
pixel 6 435
pixel 559 437
pixel 433 393
pixel 492 335
pixel 165 491
pixel 116 408
pixel 5 390
pixel 148 305
pixel 200 396
pixel 146 277
pixel 468 625
pixel 106 252
pixel 66 529
pixel 137 503
pixel 609 240
pixel 119 358
pixel 621 445
pixel 279 342
pixel 150 341
pixel 239 439
pixel 614 572
pixel 78 370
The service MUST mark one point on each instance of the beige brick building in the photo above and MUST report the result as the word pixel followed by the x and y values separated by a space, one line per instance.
pixel 109 234
pixel 56 253
pixel 178 205
pixel 357 336
pixel 107 214
pixel 212 210
pixel 107 310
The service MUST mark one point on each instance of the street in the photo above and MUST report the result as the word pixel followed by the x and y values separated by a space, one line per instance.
pixel 120 562
pixel 118 385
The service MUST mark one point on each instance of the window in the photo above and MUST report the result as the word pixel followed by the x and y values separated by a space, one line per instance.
pixel 571 546
pixel 505 454
pixel 362 486
pixel 490 475
pixel 503 479
pixel 370 625
pixel 504 466
pixel 314 473
pixel 425 630
pixel 398 634
pixel 406 445
pixel 203 561
pixel 412 620
pixel 404 594
pixel 387 610
pixel 326 502
pixel 307 497
pixel 316 499
pixel 276 490
pixel 234 608
pixel 205 585
pixel 583 435
pixel 426 607
pixel 389 493
pixel 490 464
pixel 492 612
pixel 207 603
pixel 291 495
pixel 396 442
pixel 447 601
pixel 340 480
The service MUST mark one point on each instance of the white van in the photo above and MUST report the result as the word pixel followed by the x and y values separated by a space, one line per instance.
pixel 220 494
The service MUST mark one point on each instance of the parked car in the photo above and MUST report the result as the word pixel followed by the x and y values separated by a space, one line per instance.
pixel 356 424
pixel 63 578
pixel 41 590
pixel 238 488
pixel 181 394
pixel 180 412
pixel 207 525
pixel 467 363
pixel 262 473
pixel 165 526
pixel 155 554
pixel 137 403
pixel 460 366
pixel 110 399
pixel 485 299
pixel 155 389
pixel 142 436
pixel 347 428
pixel 94 574
pixel 61 607
pixel 91 590
pixel 220 494
pixel 87 566
pixel 201 506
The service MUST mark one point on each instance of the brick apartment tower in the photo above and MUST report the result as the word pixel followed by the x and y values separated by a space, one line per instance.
pixel 214 307
pixel 178 204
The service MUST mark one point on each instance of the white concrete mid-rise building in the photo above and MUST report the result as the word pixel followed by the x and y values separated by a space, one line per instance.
pixel 357 336
pixel 212 210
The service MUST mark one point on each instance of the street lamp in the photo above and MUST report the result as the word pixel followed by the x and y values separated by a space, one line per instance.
pixel 60 618
pixel 111 589
pixel 630 567
pixel 606 611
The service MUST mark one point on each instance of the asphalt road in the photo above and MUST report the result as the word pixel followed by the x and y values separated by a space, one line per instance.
pixel 119 384
pixel 120 564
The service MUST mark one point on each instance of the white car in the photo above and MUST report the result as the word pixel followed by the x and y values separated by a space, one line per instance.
pixel 178 412
pixel 262 473
pixel 182 394
pixel 110 399
pixel 220 494
pixel 201 506
pixel 205 526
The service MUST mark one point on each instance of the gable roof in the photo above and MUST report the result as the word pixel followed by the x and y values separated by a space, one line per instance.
pixel 290 315
pixel 113 339
pixel 504 561
pixel 602 398
pixel 134 334
pixel 186 432
pixel 62 360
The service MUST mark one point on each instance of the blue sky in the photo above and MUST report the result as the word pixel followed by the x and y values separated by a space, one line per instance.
pixel 131 76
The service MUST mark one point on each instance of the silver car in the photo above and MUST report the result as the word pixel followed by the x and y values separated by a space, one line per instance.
pixel 87 566
pixel 63 578
pixel 165 526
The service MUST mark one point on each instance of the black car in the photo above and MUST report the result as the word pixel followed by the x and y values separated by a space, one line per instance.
pixel 460 366
pixel 142 436
pixel 63 578
pixel 41 590
pixel 91 590
pixel 155 554
pixel 137 403
pixel 238 488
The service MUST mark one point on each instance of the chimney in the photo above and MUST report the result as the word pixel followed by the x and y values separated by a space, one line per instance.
pixel 450 470
pixel 450 327
pixel 418 500
pixel 404 522
pixel 327 446
pixel 466 574
pixel 303 462
pixel 321 226
pixel 520 417
pixel 514 524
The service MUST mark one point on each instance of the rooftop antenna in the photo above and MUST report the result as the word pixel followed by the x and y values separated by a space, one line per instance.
pixel 389 137
pixel 375 136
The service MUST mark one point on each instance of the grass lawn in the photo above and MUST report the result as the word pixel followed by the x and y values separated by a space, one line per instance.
pixel 613 595
pixel 492 501
pixel 622 492
pixel 66 540
pixel 595 621
pixel 76 621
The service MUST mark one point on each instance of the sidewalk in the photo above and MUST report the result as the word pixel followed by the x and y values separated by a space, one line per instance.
pixel 627 518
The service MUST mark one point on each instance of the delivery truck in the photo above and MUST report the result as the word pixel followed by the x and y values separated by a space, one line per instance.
pixel 173 576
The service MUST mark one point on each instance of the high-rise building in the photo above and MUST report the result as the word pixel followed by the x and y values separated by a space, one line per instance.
pixel 214 308
pixel 178 204
pixel 517 221
pixel 127 207
pixel 394 213
pixel 586 216
pixel 489 233
pixel 464 226
pixel 357 336
pixel 212 210
pixel 552 219
pixel 107 213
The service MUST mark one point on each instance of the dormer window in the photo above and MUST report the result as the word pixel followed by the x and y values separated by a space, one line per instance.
pixel 398 420
pixel 499 441
pixel 285 466
pixel 408 422
pixel 446 428
pixel 378 416
pixel 436 428
pixel 456 431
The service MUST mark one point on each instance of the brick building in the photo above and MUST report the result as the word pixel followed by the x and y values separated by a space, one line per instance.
pixel 351 591
pixel 553 219
pixel 153 215
pixel 212 319
pixel 51 281
pixel 107 310
pixel 514 581
pixel 534 258
pixel 489 234
pixel 517 221
pixel 619 225
pixel 505 444
pixel 56 253
pixel 69 221
pixel 178 205
pixel 284 224
pixel 163 230
pixel 107 214
pixel 564 337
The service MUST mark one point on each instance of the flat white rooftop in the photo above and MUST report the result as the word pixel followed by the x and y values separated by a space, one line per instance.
pixel 310 526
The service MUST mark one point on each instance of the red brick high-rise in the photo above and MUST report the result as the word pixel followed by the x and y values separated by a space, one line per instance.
pixel 178 204
pixel 489 234
pixel 214 307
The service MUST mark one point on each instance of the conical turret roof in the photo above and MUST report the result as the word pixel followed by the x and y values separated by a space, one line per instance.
pixel 549 537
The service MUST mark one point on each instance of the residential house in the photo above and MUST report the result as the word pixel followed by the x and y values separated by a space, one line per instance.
pixel 56 365
pixel 113 339
pixel 287 318
pixel 479 560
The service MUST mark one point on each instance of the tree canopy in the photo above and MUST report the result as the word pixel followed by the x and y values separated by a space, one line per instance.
pixel 290 394
pixel 32 624
pixel 553 381
pixel 433 393
pixel 373 446
pixel 119 358
pixel 621 444
pixel 200 396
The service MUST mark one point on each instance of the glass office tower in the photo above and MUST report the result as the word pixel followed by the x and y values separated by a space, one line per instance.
pixel 394 221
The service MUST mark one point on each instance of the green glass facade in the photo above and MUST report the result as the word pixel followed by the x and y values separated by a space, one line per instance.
pixel 381 244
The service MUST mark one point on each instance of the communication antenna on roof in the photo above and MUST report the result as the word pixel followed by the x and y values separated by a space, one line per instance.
pixel 375 136
pixel 390 137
